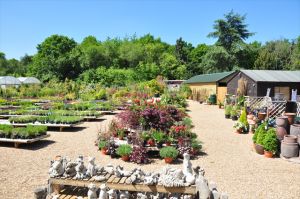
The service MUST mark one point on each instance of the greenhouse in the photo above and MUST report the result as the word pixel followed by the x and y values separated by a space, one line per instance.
pixel 9 81
pixel 29 80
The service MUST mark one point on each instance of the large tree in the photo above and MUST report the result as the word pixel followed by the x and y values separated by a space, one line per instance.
pixel 231 30
pixel 54 59
pixel 182 50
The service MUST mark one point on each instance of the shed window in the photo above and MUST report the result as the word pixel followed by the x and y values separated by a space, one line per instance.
pixel 284 90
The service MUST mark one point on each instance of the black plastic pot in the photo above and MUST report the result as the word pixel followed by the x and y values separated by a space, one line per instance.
pixel 234 118
pixel 227 116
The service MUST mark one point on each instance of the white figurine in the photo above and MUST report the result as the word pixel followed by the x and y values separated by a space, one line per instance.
pixel 92 191
pixel 103 192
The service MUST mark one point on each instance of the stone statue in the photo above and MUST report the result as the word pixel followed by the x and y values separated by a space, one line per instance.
pixel 112 194
pixel 80 168
pixel 70 169
pixel 151 178
pixel 103 192
pixel 56 168
pixel 120 172
pixel 136 177
pixel 109 169
pixel 124 195
pixel 92 191
pixel 91 169
pixel 188 170
pixel 171 177
pixel 141 196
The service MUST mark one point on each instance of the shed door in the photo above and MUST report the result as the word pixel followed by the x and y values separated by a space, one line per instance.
pixel 284 90
pixel 221 92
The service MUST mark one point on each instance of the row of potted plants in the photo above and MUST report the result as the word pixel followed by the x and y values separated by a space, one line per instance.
pixel 232 111
pixel 50 112
pixel 53 119
pixel 28 132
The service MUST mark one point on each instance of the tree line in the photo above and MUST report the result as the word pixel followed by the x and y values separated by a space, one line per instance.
pixel 116 61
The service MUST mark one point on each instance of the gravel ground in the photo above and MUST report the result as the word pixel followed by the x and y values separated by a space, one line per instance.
pixel 228 160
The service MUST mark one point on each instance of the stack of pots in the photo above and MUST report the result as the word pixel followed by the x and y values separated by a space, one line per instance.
pixel 295 130
pixel 282 126
pixel 290 146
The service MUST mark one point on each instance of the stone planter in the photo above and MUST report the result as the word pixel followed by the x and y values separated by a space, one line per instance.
pixel 295 129
pixel 259 149
pixel 291 117
pixel 290 139
pixel 280 132
pixel 282 121
pixel 289 150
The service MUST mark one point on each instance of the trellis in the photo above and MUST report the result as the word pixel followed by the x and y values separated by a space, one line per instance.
pixel 274 108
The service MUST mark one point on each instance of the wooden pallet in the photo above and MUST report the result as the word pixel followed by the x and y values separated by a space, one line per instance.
pixel 17 142
pixel 73 192
pixel 116 183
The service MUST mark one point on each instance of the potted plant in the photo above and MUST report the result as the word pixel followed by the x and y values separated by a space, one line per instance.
pixel 121 133
pixel 169 153
pixel 239 127
pixel 145 137
pixel 270 143
pixel 234 113
pixel 169 140
pixel 158 136
pixel 258 138
pixel 221 105
pixel 196 146
pixel 124 150
pixel 228 109
pixel 103 146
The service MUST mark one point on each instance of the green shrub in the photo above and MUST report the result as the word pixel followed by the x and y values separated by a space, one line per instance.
pixel 270 141
pixel 124 150
pixel 243 118
pixel 228 109
pixel 102 144
pixel 158 136
pixel 168 152
pixel 260 134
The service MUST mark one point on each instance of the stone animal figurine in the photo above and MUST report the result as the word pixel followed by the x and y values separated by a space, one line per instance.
pixel 136 177
pixel 141 196
pixel 188 170
pixel 91 168
pixel 103 192
pixel 171 177
pixel 92 191
pixel 70 169
pixel 202 185
pixel 112 194
pixel 80 169
pixel 120 172
pixel 151 178
pixel 56 168
pixel 124 195
pixel 109 169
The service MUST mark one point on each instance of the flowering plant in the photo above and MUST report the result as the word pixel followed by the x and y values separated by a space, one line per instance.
pixel 139 155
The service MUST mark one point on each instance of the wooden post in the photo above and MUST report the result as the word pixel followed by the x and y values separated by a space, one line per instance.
pixel 56 188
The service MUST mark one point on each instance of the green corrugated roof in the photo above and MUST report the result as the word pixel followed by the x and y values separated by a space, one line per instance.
pixel 213 77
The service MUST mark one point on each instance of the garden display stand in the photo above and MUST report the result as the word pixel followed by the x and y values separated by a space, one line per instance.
pixel 17 142
pixel 60 126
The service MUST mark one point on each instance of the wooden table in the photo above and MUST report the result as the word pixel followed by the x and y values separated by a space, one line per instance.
pixel 17 142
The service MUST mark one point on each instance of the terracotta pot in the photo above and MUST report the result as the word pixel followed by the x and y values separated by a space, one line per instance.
pixel 262 116
pixel 280 132
pixel 290 139
pixel 289 150
pixel 151 142
pixel 125 158
pixel 259 149
pixel 291 117
pixel 250 117
pixel 168 143
pixel 268 154
pixel 168 160
pixel 282 121
pixel 239 131
pixel 295 129
pixel 104 151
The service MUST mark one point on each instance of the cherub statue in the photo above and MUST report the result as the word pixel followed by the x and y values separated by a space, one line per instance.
pixel 80 168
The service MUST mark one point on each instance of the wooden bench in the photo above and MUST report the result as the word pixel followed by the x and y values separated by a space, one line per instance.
pixel 17 142
pixel 113 182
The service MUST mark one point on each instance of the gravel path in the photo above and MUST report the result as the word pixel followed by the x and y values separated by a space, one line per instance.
pixel 229 159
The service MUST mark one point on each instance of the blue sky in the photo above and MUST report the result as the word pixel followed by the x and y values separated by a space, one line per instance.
pixel 26 23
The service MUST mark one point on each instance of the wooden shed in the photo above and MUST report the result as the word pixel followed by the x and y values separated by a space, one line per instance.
pixel 257 82
pixel 204 85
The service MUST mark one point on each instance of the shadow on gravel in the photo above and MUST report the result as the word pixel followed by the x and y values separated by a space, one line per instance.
pixel 30 146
